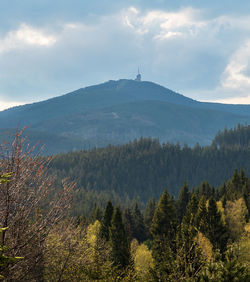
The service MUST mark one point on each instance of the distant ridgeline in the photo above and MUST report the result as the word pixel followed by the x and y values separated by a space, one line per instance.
pixel 116 112
pixel 143 168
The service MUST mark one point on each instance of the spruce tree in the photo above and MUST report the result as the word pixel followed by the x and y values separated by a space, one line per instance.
pixel 236 180
pixel 182 201
pixel 106 221
pixel 201 217
pixel 205 189
pixel 140 230
pixel 119 241
pixel 96 214
pixel 163 230
pixel 148 216
pixel 129 223
pixel 230 269
pixel 233 270
pixel 243 177
pixel 216 231
pixel 246 197
pixel 191 210
pixel 188 260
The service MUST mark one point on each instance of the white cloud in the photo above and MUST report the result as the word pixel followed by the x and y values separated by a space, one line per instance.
pixel 169 34
pixel 234 76
pixel 185 50
pixel 202 35
pixel 234 100
pixel 164 25
pixel 5 104
pixel 234 84
pixel 25 35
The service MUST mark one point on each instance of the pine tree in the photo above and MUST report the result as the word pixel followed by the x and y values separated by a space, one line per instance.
pixel 163 230
pixel 119 241
pixel 106 221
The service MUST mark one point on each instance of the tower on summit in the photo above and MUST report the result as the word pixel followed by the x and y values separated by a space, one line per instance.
pixel 138 77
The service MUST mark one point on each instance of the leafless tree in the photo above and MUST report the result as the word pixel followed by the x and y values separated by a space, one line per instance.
pixel 29 207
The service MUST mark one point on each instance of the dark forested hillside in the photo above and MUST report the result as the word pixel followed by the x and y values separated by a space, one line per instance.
pixel 116 112
pixel 143 168
pixel 237 137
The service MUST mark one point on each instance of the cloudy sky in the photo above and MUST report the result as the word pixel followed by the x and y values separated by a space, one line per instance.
pixel 198 48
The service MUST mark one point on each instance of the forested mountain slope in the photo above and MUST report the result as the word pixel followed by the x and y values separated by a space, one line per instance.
pixel 143 168
pixel 201 235
pixel 116 112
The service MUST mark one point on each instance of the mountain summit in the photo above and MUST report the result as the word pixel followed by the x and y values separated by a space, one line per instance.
pixel 116 112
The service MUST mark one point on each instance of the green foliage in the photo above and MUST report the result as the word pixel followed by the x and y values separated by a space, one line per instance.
pixel 216 230
pixel 189 259
pixel 76 254
pixel 4 178
pixel 236 217
pixel 163 230
pixel 182 201
pixel 5 260
pixel 246 196
pixel 119 241
pixel 205 190
pixel 244 247
pixel 201 218
pixel 237 137
pixel 143 263
pixel 180 250
pixel 148 216
pixel 186 255
pixel 96 213
pixel 140 229
pixel 129 223
pixel 228 270
pixel 106 221
pixel 142 168
pixel 205 246
pixel 164 220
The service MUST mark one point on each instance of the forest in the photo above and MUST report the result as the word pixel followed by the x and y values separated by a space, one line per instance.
pixel 142 169
pixel 176 231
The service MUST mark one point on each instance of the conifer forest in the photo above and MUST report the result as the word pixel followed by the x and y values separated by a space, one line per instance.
pixel 143 211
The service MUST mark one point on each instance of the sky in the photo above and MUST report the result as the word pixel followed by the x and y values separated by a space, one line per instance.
pixel 200 49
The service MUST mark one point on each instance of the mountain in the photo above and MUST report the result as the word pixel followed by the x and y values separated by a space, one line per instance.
pixel 115 112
